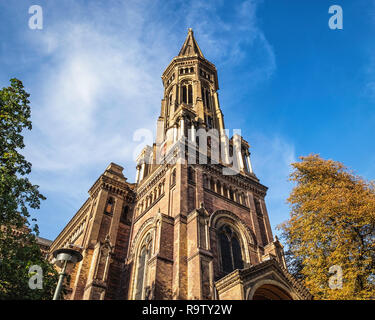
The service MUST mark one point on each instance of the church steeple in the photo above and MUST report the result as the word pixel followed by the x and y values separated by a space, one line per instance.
pixel 190 99
pixel 190 46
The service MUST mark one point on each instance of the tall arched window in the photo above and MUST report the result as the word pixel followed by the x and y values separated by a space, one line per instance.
pixel 212 183
pixel 225 191
pixel 230 250
pixel 206 98
pixel 218 187
pixel 173 177
pixel 191 174
pixel 140 273
pixel 190 94
pixel 205 181
pixel 125 218
pixel 184 94
pixel 187 93
pixel 143 256
pixel 231 196
pixel 262 227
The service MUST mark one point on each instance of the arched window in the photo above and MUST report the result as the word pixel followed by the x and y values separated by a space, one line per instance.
pixel 225 191
pixel 187 93
pixel 258 208
pixel 173 177
pixel 261 223
pixel 147 202
pixel 231 194
pixel 230 250
pixel 243 199
pixel 212 184
pixel 140 274
pixel 190 94
pixel 207 99
pixel 191 198
pixel 205 181
pixel 191 174
pixel 109 206
pixel 169 106
pixel 125 215
pixel 209 122
pixel 203 95
pixel 218 187
pixel 184 94
pixel 143 256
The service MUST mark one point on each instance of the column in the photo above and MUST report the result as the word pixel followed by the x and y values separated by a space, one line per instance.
pixel 249 163
pixel 142 170
pixel 182 127
pixel 192 133
pixel 174 133
pixel 240 160
pixel 137 174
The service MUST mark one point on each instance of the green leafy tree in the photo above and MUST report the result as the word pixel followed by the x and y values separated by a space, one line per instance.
pixel 331 229
pixel 18 248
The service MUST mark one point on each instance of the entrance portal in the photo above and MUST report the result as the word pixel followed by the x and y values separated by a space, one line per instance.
pixel 271 292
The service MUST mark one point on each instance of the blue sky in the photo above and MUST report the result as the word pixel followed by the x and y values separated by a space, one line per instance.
pixel 291 84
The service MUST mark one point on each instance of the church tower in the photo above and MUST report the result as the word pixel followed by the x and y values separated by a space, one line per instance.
pixel 196 218
pixel 194 225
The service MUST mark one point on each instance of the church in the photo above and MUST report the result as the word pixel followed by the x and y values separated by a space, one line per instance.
pixel 194 224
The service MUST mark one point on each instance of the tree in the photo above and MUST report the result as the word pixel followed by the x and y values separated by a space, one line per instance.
pixel 18 248
pixel 331 228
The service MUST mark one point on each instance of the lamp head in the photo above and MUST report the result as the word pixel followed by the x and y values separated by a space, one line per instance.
pixel 66 254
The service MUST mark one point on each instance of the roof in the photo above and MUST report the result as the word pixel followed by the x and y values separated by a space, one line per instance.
pixel 190 46
pixel 43 241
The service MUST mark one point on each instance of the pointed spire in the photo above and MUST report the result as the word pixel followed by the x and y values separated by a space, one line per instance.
pixel 190 46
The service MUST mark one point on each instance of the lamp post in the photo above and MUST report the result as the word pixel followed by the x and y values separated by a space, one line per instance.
pixel 62 258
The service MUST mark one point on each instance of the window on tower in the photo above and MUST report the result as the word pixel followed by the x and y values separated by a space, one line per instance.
pixel 258 208
pixel 190 94
pixel 184 94
pixel 261 223
pixel 187 93
pixel 109 206
pixel 191 174
pixel 125 218
pixel 207 98
pixel 209 122
pixel 173 178
pixel 204 102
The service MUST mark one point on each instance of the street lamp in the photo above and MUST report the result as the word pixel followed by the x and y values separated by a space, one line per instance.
pixel 62 258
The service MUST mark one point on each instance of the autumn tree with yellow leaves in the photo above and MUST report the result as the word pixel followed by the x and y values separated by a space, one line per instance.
pixel 331 229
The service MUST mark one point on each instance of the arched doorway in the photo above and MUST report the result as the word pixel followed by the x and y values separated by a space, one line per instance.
pixel 271 292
